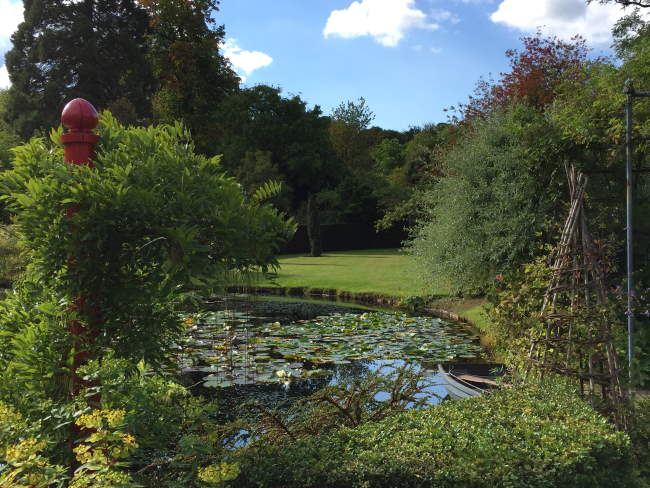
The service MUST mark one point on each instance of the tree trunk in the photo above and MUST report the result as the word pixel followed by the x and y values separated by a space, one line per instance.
pixel 313 227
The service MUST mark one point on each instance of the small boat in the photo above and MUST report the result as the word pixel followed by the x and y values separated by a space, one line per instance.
pixel 465 380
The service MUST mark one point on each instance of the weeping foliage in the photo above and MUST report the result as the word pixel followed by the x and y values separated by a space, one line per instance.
pixel 489 211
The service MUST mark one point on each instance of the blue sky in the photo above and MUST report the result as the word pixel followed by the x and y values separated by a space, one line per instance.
pixel 409 59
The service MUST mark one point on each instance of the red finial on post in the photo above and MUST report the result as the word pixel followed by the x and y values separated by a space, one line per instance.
pixel 80 118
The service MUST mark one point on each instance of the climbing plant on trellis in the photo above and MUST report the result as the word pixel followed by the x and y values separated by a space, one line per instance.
pixel 576 339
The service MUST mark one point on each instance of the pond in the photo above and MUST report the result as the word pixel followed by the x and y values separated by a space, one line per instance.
pixel 277 350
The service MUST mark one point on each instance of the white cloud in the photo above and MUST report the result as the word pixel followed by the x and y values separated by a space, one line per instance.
pixel 244 62
pixel 12 15
pixel 4 77
pixel 563 18
pixel 436 50
pixel 384 20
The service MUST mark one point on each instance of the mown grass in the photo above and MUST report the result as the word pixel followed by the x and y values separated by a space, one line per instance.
pixel 382 271
pixel 387 272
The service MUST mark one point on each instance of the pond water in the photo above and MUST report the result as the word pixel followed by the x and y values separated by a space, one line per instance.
pixel 276 350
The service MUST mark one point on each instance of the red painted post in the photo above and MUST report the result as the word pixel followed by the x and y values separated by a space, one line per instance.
pixel 80 118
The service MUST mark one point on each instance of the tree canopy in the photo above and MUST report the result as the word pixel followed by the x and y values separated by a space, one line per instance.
pixel 535 74
pixel 89 49
pixel 192 75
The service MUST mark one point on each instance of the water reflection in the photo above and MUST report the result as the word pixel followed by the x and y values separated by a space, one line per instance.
pixel 224 359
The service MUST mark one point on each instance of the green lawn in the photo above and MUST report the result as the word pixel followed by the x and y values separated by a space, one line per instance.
pixel 382 271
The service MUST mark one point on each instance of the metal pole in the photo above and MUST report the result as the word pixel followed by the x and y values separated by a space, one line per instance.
pixel 629 91
pixel 629 174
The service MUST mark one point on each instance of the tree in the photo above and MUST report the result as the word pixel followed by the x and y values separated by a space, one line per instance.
pixel 625 3
pixel 536 72
pixel 387 155
pixel 293 138
pixel 257 168
pixel 8 138
pixel 422 150
pixel 193 76
pixel 349 120
pixel 94 49
pixel 590 115
pixel 490 211
pixel 355 115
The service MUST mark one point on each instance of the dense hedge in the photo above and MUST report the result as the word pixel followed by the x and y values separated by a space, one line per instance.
pixel 514 438
pixel 346 237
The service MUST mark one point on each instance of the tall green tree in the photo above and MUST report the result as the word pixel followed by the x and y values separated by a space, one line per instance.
pixel 293 136
pixel 8 138
pixel 356 115
pixel 294 143
pixel 193 76
pixel 94 49
pixel 349 120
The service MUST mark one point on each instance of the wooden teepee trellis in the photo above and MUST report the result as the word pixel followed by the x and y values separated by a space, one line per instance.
pixel 576 340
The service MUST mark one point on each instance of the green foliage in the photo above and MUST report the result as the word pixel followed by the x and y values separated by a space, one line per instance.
pixel 354 115
pixel 388 155
pixel 94 50
pixel 22 463
pixel 178 435
pixel 148 432
pixel 101 452
pixel 184 45
pixel 268 190
pixel 421 152
pixel 515 305
pixel 486 215
pixel 218 474
pixel 34 348
pixel 536 437
pixel 591 114
pixel 255 169
pixel 259 124
pixel 640 435
pixel 153 221
pixel 8 138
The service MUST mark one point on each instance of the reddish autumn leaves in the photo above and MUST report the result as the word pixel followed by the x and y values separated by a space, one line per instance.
pixel 536 72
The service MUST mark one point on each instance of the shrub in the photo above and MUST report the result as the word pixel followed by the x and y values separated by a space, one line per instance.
pixel 153 224
pixel 490 211
pixel 534 437
pixel 153 221
pixel 640 434
pixel 179 438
